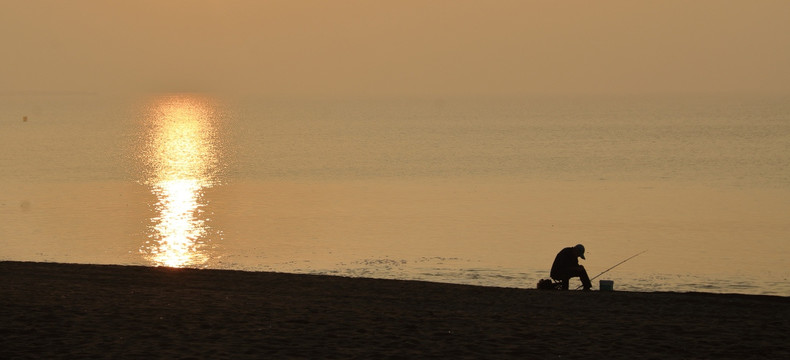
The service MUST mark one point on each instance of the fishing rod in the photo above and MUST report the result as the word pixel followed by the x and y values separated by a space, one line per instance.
pixel 616 265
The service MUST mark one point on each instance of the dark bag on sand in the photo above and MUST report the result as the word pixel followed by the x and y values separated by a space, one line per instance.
pixel 546 284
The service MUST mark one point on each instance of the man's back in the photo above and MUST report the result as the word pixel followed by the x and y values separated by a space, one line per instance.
pixel 565 259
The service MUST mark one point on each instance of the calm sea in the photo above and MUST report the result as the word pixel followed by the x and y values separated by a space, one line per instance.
pixel 463 190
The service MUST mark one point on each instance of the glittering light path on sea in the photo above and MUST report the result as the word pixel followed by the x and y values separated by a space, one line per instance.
pixel 181 160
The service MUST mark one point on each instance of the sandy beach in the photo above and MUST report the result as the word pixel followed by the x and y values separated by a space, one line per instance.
pixel 86 311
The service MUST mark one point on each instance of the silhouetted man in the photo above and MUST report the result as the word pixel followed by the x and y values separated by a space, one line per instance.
pixel 566 265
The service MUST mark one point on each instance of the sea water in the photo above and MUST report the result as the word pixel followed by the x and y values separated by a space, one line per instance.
pixel 474 191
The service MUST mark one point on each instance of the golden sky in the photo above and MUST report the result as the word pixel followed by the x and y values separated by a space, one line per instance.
pixel 398 47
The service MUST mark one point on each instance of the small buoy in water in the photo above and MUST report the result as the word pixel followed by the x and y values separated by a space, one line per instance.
pixel 24 118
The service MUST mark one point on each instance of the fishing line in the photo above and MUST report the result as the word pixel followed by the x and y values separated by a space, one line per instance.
pixel 616 265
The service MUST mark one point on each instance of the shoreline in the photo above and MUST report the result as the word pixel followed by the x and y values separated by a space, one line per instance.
pixel 116 311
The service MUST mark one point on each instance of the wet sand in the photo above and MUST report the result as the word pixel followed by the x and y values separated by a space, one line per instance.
pixel 85 311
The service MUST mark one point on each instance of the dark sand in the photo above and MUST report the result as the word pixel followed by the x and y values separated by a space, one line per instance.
pixel 86 311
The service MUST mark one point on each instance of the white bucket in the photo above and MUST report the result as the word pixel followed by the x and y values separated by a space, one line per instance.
pixel 606 285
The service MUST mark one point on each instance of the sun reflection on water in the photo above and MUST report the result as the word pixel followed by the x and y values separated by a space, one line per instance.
pixel 181 161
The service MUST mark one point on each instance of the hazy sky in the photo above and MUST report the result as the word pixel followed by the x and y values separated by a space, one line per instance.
pixel 397 47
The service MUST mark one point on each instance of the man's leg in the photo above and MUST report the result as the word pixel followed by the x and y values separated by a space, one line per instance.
pixel 582 274
pixel 585 278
